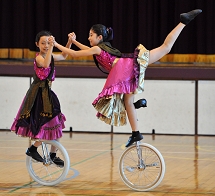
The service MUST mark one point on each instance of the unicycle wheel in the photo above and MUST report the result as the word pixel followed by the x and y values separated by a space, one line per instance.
pixel 145 174
pixel 48 173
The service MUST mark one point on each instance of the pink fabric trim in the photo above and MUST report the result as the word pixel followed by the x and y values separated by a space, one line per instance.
pixel 49 131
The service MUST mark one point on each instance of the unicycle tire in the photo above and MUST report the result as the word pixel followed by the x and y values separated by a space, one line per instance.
pixel 48 173
pixel 147 177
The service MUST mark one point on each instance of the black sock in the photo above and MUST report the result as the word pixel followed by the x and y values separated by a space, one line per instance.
pixel 135 133
pixel 52 155
pixel 33 148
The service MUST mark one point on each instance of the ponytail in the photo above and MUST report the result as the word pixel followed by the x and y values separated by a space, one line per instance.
pixel 107 33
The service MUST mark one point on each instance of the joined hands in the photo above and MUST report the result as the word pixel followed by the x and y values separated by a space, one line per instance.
pixel 72 36
pixel 52 40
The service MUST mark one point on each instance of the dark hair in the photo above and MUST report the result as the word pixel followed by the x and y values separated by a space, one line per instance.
pixel 42 33
pixel 107 33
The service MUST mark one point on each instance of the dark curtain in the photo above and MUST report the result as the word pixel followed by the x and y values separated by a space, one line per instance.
pixel 134 21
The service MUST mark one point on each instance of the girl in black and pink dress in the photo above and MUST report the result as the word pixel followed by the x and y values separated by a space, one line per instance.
pixel 39 116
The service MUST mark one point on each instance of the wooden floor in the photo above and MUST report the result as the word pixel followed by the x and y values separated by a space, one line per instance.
pixel 190 166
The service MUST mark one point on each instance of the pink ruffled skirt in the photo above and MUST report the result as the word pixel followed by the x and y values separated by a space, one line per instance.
pixel 51 130
pixel 125 77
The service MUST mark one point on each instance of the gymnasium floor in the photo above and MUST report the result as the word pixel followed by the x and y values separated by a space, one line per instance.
pixel 190 166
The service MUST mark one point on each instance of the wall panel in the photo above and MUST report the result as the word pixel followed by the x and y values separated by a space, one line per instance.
pixel 206 108
pixel 13 90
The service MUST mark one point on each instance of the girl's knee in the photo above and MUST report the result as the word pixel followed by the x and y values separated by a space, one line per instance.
pixel 129 99
pixel 166 48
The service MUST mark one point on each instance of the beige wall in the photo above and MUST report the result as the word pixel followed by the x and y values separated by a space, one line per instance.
pixel 171 105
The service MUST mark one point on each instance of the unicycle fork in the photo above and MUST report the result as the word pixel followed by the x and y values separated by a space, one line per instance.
pixel 140 165
pixel 46 155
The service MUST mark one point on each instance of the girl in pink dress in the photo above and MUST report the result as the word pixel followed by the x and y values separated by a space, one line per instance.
pixel 126 72
pixel 39 116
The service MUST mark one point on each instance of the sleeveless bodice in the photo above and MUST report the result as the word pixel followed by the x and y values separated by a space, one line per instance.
pixel 42 73
pixel 105 60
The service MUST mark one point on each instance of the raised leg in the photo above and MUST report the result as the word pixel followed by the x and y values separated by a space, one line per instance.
pixel 165 48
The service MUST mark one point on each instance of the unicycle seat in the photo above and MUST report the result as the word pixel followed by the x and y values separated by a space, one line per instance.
pixel 141 103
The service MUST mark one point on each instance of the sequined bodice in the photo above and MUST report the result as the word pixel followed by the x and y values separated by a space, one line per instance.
pixel 42 73
pixel 105 60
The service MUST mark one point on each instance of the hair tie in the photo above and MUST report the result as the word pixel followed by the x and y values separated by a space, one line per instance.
pixel 109 33
pixel 109 29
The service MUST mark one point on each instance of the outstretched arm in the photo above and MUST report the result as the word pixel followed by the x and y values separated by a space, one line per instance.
pixel 79 45
pixel 63 55
pixel 72 37
pixel 86 52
